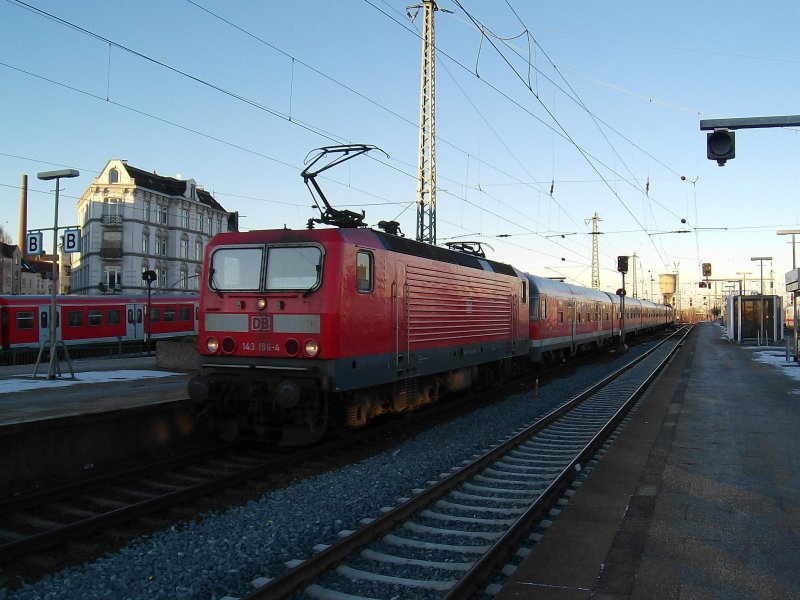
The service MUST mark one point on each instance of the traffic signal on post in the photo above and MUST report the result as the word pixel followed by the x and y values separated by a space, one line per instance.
pixel 622 264
pixel 721 146
pixel 706 269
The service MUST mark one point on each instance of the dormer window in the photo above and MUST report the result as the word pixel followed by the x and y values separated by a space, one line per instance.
pixel 113 176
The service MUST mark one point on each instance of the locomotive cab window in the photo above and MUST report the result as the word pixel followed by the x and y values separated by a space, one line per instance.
pixel 236 269
pixel 364 271
pixel 534 312
pixel 294 268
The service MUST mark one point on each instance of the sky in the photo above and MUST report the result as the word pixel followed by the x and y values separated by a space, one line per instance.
pixel 546 114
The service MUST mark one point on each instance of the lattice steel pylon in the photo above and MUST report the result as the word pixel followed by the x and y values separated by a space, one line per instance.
pixel 426 171
pixel 595 252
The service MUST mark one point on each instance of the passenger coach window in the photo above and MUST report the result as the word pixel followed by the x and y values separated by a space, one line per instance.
pixel 95 318
pixel 155 315
pixel 535 308
pixel 74 318
pixel 364 271
pixel 113 316
pixel 184 313
pixel 169 314
pixel 293 268
pixel 24 320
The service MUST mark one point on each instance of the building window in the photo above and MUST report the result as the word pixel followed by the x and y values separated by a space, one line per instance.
pixel 161 245
pixel 199 222
pixel 112 278
pixel 113 176
pixel 198 249
pixel 208 226
pixel 162 277
pixel 161 217
pixel 185 218
pixel 183 279
pixel 146 215
pixel 145 243
pixel 185 246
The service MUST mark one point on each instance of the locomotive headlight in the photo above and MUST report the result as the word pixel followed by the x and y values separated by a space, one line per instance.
pixel 261 303
pixel 212 344
pixel 311 348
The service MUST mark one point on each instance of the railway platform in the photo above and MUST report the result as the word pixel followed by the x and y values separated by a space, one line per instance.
pixel 699 496
pixel 100 385
pixel 113 410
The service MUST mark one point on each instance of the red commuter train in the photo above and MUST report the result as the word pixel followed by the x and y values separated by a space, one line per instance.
pixel 94 320
pixel 301 331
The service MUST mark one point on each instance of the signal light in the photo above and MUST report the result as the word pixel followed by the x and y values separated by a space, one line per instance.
pixel 622 264
pixel 721 146
pixel 706 269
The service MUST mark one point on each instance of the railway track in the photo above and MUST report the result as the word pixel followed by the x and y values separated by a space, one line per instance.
pixel 448 540
pixel 35 523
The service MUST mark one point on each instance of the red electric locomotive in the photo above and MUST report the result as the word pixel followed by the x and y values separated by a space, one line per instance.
pixel 303 330
pixel 93 320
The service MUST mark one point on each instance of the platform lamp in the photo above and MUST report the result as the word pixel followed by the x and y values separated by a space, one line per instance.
pixel 793 233
pixel 148 277
pixel 58 176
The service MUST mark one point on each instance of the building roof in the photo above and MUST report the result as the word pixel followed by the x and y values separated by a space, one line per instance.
pixel 169 186
pixel 8 250
pixel 32 265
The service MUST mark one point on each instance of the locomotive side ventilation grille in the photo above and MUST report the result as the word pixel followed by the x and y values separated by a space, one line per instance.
pixel 456 307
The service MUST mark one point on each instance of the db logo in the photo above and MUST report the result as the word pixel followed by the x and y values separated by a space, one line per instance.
pixel 259 323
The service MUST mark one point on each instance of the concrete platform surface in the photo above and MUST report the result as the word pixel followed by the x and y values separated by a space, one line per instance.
pixel 99 386
pixel 699 497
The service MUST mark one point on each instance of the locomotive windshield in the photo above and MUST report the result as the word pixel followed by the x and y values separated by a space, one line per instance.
pixel 287 268
pixel 235 269
pixel 293 268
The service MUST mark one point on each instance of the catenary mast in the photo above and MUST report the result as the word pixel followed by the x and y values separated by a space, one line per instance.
pixel 426 171
pixel 595 253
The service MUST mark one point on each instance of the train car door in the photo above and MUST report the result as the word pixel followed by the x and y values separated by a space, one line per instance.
pixel 400 310
pixel 44 323
pixel 134 321
pixel 572 314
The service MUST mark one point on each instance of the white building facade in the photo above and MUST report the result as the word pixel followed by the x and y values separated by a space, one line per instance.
pixel 134 221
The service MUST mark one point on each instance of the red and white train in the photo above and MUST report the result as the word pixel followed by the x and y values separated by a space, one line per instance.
pixel 301 331
pixel 94 320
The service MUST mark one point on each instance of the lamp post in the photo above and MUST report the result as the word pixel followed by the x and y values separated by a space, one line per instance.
pixel 743 281
pixel 761 259
pixel 793 232
pixel 58 176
